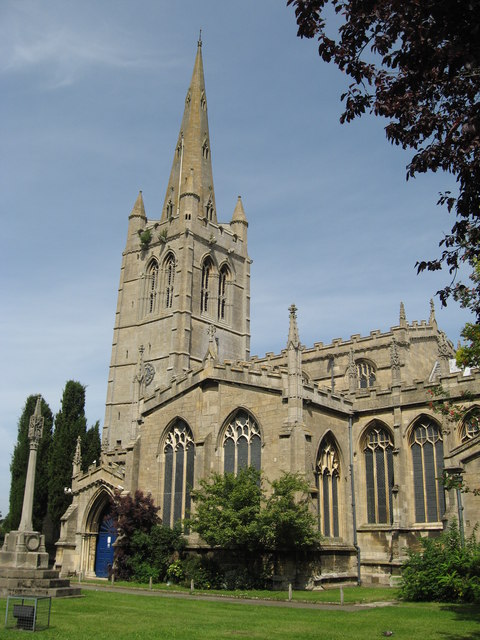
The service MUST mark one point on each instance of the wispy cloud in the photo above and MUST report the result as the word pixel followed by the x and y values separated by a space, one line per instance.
pixel 33 40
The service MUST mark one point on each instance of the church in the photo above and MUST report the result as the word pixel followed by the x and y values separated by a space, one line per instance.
pixel 185 398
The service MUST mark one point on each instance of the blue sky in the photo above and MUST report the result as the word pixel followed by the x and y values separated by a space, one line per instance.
pixel 92 98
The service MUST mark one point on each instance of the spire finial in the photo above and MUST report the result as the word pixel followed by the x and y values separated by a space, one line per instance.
pixel 200 39
pixel 293 338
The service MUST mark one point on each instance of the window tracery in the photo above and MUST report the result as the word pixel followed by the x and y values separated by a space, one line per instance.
pixel 427 460
pixel 222 292
pixel 179 453
pixel 366 374
pixel 471 425
pixel 207 269
pixel 169 278
pixel 328 474
pixel 378 453
pixel 152 286
pixel 242 443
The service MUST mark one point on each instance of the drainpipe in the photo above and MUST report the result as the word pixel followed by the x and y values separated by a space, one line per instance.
pixel 354 512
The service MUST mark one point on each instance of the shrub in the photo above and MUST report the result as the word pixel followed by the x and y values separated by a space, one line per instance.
pixel 443 570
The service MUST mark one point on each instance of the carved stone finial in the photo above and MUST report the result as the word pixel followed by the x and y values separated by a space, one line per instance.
pixel 394 360
pixel 35 427
pixel 77 458
pixel 212 351
pixel 431 320
pixel 293 337
pixel 403 316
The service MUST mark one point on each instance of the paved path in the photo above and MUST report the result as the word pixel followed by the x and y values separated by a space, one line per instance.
pixel 231 600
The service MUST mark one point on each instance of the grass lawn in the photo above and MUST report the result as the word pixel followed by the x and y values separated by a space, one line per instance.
pixel 101 615
pixel 350 594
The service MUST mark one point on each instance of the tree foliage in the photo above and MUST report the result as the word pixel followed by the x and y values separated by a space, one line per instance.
pixel 287 521
pixel 133 515
pixel 19 465
pixel 227 510
pixel 418 65
pixel 234 512
pixel 443 570
pixel 91 446
pixel 70 422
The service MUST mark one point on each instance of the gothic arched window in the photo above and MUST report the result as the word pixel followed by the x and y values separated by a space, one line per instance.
pixel 152 287
pixel 222 292
pixel 242 443
pixel 366 375
pixel 328 474
pixel 179 452
pixel 378 452
pixel 207 269
pixel 209 209
pixel 471 425
pixel 169 280
pixel 427 459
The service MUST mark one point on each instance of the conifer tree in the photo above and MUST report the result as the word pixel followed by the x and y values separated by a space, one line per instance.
pixel 70 422
pixel 91 446
pixel 19 464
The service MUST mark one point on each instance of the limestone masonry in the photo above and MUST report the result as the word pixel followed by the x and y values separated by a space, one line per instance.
pixel 185 398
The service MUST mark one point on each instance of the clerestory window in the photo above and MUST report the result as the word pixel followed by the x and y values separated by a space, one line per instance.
pixel 470 427
pixel 366 375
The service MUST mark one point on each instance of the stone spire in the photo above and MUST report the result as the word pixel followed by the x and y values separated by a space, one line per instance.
pixel 239 222
pixel 191 175
pixel 138 210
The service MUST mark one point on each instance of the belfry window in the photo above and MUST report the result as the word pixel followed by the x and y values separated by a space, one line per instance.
pixel 179 452
pixel 205 290
pixel 222 292
pixel 327 476
pixel 152 286
pixel 427 460
pixel 209 210
pixel 205 150
pixel 169 278
pixel 378 452
pixel 366 375
pixel 242 443
pixel 471 425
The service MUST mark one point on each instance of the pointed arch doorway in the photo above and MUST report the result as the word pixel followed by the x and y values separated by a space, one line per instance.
pixel 107 534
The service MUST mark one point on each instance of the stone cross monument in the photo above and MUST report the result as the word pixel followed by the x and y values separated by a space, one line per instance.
pixel 26 547
pixel 23 558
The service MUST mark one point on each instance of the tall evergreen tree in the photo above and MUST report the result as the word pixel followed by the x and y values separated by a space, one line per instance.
pixel 91 446
pixel 19 464
pixel 70 422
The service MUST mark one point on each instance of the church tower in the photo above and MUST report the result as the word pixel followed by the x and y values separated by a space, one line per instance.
pixel 185 277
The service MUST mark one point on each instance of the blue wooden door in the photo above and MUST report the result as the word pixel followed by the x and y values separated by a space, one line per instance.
pixel 107 535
